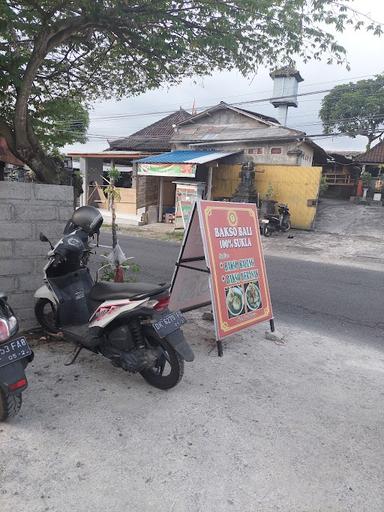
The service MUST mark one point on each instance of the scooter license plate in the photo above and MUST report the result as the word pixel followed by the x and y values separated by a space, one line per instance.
pixel 14 350
pixel 168 323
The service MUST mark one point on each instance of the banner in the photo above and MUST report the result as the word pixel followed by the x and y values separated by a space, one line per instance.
pixel 172 170
pixel 221 261
pixel 240 293
pixel 187 193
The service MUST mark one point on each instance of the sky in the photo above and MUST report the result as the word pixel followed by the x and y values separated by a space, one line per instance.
pixel 364 53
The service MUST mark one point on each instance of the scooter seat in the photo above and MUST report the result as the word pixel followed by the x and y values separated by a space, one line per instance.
pixel 112 291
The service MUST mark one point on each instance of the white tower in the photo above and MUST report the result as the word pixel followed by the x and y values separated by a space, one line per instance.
pixel 285 85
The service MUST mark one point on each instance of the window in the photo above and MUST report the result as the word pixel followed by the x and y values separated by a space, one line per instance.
pixel 256 151
pixel 276 151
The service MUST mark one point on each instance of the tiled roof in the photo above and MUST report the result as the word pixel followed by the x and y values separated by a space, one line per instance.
pixel 155 137
pixel 216 133
pixel 374 155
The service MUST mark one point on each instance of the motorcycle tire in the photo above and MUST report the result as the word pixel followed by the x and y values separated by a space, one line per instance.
pixel 155 376
pixel 286 226
pixel 10 405
pixel 47 319
pixel 267 231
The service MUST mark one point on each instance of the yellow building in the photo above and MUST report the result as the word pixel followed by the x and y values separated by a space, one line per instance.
pixel 296 186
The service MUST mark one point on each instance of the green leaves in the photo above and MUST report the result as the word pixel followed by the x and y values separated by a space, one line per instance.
pixel 121 47
pixel 355 109
pixel 58 55
pixel 60 121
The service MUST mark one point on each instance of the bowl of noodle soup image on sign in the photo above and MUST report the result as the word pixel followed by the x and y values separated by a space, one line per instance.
pixel 235 301
pixel 253 296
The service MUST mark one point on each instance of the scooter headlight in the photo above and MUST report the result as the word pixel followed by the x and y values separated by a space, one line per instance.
pixel 4 330
pixel 8 322
pixel 13 325
pixel 8 327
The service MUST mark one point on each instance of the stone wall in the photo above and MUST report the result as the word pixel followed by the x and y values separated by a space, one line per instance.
pixel 25 210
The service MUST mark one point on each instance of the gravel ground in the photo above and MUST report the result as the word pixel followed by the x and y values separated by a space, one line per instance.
pixel 346 218
pixel 295 427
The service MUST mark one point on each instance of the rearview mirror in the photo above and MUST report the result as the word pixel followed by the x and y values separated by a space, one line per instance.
pixel 43 238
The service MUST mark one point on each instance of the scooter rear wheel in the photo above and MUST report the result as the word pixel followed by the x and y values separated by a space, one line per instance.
pixel 267 231
pixel 45 313
pixel 10 405
pixel 168 369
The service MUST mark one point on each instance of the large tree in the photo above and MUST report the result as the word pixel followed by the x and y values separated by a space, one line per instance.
pixel 355 109
pixel 86 49
pixel 60 121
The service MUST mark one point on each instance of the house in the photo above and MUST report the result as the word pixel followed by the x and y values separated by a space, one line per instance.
pixel 209 148
pixel 341 173
pixel 373 159
pixel 260 138
pixel 181 157
pixel 135 197
pixel 154 138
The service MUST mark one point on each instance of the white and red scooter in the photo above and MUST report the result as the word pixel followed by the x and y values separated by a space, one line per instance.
pixel 129 323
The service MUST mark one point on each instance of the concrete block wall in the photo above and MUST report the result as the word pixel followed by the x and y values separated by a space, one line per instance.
pixel 26 209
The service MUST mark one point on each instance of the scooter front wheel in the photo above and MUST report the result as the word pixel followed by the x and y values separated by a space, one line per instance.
pixel 10 405
pixel 46 315
pixel 286 226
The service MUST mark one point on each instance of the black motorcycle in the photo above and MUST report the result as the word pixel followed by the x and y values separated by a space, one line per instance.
pixel 128 323
pixel 15 354
pixel 280 221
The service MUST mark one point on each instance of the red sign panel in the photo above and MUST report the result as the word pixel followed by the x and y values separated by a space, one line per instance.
pixel 234 255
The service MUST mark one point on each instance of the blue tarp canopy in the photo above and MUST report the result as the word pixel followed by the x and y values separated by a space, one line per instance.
pixel 187 156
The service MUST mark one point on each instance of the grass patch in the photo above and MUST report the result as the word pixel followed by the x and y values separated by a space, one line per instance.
pixel 138 231
pixel 175 235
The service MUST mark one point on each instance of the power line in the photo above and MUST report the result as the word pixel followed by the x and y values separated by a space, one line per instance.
pixel 262 100
pixel 333 121
pixel 248 102
pixel 113 117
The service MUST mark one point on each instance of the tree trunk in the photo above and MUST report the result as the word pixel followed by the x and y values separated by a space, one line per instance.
pixel 47 169
pixel 113 212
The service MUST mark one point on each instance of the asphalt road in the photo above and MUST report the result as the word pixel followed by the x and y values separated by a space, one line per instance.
pixel 329 299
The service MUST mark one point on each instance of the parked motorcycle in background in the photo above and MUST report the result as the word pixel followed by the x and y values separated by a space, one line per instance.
pixel 15 354
pixel 128 323
pixel 280 221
